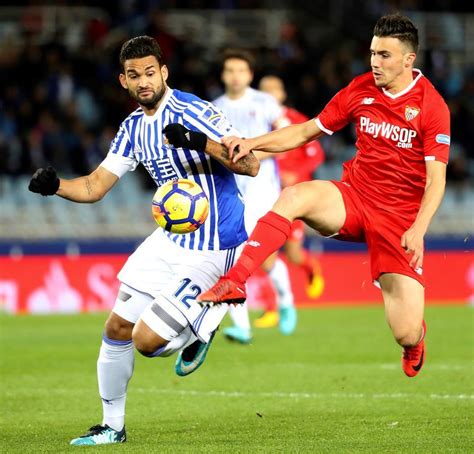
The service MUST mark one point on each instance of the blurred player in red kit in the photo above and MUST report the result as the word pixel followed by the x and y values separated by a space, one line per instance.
pixel 389 192
pixel 296 166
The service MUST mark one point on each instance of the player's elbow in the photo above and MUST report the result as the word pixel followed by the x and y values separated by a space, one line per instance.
pixel 95 193
pixel 98 197
pixel 254 168
pixel 252 165
pixel 96 187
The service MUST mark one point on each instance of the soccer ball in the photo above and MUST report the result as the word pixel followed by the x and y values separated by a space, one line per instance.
pixel 180 206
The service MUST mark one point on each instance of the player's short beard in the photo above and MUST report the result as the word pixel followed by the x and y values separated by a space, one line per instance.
pixel 155 99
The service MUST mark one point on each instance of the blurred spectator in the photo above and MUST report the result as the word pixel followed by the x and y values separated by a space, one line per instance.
pixel 60 100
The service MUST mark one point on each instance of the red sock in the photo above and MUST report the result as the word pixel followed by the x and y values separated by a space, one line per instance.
pixel 269 235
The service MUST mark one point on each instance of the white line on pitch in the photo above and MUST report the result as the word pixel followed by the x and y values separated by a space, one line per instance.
pixel 305 395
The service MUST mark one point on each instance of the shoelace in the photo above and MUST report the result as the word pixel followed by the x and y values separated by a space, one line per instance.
pixel 412 353
pixel 94 430
pixel 221 288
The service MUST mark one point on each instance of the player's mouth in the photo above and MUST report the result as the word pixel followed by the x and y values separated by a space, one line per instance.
pixel 377 75
pixel 145 92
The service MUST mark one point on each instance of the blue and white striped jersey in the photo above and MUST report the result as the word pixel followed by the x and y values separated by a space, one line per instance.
pixel 140 140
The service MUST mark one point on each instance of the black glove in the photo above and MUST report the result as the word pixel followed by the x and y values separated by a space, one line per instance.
pixel 181 137
pixel 44 181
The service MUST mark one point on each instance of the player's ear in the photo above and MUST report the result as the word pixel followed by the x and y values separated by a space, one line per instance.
pixel 164 72
pixel 123 81
pixel 410 59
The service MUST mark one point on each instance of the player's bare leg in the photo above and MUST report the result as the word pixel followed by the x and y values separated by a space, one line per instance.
pixel 146 341
pixel 404 306
pixel 318 203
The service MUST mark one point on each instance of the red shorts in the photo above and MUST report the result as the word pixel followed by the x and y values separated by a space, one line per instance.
pixel 381 230
pixel 297 230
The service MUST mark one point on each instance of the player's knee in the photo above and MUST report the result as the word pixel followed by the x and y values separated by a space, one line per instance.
pixel 118 328
pixel 147 342
pixel 288 204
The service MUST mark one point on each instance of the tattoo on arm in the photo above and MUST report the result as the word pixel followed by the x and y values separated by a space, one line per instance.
pixel 88 186
pixel 243 166
pixel 248 165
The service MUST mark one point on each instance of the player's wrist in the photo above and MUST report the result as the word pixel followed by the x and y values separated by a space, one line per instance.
pixel 181 137
pixel 198 140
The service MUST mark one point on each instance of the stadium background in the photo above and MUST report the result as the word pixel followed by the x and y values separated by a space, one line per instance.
pixel 335 385
pixel 61 103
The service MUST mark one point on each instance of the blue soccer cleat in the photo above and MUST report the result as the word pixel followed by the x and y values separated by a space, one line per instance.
pixel 191 357
pixel 234 333
pixel 100 435
pixel 288 320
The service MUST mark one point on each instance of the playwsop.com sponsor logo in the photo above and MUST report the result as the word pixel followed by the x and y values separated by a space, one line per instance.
pixel 402 136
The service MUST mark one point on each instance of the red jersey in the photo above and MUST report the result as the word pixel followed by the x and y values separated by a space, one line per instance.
pixel 396 134
pixel 300 163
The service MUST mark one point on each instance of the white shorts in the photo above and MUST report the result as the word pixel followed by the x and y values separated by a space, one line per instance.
pixel 174 277
pixel 260 192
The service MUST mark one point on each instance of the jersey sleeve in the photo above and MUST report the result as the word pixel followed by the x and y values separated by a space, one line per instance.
pixel 336 114
pixel 205 117
pixel 436 131
pixel 120 159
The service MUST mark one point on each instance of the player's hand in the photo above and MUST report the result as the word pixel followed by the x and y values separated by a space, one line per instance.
pixel 44 181
pixel 181 137
pixel 412 242
pixel 237 146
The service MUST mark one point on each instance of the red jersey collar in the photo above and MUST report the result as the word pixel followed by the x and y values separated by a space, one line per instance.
pixel 406 90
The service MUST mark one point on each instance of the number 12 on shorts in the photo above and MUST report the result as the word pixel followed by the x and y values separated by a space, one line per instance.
pixel 187 291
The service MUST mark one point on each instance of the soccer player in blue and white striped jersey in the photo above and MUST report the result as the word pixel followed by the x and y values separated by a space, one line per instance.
pixel 156 310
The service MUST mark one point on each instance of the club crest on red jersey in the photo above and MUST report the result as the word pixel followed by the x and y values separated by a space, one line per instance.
pixel 411 112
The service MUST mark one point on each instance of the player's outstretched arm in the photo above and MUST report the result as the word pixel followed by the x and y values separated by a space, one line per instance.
pixel 181 137
pixel 283 139
pixel 87 189
pixel 249 165
pixel 412 239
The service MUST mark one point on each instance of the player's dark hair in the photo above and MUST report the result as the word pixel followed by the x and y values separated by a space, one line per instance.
pixel 398 26
pixel 239 54
pixel 139 47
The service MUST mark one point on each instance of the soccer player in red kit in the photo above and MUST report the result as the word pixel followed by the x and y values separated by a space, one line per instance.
pixel 389 191
pixel 296 166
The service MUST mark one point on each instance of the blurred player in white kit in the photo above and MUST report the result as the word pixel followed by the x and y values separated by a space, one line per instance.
pixel 253 112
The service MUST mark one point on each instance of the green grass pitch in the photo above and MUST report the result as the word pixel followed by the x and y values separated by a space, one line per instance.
pixel 335 386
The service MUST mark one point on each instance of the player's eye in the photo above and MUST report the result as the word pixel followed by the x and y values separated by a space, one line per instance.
pixel 150 74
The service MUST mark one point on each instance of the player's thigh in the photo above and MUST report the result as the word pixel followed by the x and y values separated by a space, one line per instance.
pixel 129 304
pixel 318 203
pixel 117 328
pixel 175 308
pixel 149 336
pixel 404 299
